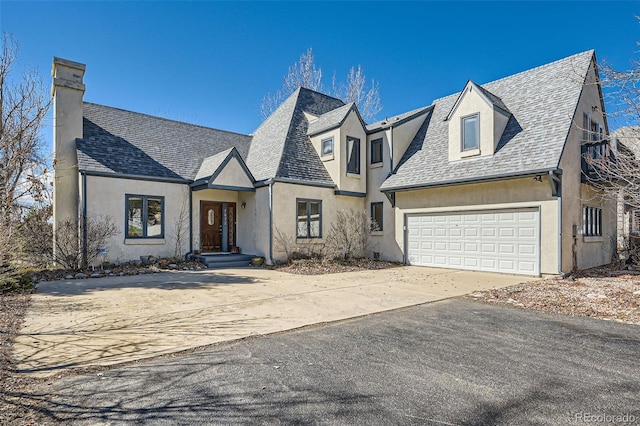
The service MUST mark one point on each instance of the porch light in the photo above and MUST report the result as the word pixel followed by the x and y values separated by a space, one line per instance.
pixel 243 205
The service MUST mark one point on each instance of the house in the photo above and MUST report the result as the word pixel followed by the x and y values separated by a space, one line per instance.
pixel 487 179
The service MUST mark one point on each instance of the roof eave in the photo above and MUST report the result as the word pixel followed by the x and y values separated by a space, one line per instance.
pixel 468 181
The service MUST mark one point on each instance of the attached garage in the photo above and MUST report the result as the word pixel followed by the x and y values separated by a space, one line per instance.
pixel 506 241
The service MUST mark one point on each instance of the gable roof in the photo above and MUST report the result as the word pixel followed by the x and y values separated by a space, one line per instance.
pixel 280 147
pixel 130 143
pixel 542 102
pixel 488 97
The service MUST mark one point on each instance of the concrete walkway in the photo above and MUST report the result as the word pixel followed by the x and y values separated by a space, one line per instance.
pixel 105 321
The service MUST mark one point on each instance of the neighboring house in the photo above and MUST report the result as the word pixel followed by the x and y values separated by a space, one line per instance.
pixel 627 143
pixel 485 179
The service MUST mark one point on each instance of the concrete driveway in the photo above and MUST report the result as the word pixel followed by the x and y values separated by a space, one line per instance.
pixel 82 323
pixel 454 362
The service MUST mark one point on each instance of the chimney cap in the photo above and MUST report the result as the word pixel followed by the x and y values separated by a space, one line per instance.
pixel 68 63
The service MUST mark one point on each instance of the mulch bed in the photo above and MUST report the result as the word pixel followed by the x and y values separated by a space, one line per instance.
pixel 320 267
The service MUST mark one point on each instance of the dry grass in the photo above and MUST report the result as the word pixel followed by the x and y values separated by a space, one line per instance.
pixel 606 293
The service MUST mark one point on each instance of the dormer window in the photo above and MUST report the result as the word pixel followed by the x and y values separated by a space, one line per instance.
pixel 471 132
pixel 327 147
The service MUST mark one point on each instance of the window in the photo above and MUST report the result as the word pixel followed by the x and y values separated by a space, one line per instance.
pixel 376 151
pixel 144 216
pixel 353 155
pixel 470 132
pixel 376 216
pixel 595 148
pixel 327 147
pixel 309 218
pixel 592 221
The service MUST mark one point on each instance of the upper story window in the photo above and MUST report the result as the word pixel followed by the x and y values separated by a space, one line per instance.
pixel 595 147
pixel 144 216
pixel 353 155
pixel 471 132
pixel 376 151
pixel 309 218
pixel 327 147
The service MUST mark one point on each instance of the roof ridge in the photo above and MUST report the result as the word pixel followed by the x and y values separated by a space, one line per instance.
pixel 167 119
pixel 320 93
pixel 548 64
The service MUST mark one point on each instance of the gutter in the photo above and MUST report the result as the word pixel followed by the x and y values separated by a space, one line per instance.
pixel 136 177
pixel 467 181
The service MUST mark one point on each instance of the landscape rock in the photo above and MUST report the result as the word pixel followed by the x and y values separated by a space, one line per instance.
pixel 80 276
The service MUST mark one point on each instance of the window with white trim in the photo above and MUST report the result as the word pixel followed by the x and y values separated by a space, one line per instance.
pixel 592 221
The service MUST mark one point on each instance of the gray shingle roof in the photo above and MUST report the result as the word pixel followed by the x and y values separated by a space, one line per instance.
pixel 396 120
pixel 542 102
pixel 281 147
pixel 329 120
pixel 493 98
pixel 210 164
pixel 125 142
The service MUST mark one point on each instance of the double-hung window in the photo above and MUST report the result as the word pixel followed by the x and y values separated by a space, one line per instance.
pixel 309 218
pixel 592 221
pixel 376 151
pixel 353 155
pixel 145 216
pixel 471 132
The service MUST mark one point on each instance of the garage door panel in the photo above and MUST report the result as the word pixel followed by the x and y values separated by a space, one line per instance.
pixel 499 241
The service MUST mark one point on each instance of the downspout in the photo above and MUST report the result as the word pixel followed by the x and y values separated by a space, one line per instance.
pixel 190 221
pixel 562 274
pixel 271 221
pixel 390 150
pixel 83 224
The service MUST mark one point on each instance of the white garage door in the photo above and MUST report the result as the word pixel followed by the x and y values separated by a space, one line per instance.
pixel 499 241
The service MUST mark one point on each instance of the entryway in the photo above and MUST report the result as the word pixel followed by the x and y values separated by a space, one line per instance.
pixel 217 226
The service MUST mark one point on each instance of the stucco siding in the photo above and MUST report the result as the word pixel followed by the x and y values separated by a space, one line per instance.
pixel 284 212
pixel 580 252
pixel 233 175
pixel 106 197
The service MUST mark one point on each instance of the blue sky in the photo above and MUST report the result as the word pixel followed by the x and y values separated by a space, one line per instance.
pixel 210 63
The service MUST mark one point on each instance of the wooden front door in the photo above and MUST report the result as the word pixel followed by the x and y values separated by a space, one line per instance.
pixel 211 226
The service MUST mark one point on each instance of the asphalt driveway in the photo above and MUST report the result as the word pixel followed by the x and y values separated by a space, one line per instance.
pixel 452 362
pixel 82 323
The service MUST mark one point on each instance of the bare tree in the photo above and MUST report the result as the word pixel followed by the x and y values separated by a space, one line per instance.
pixel 181 226
pixel 301 74
pixel 348 236
pixel 366 97
pixel 24 103
pixel 69 251
pixel 304 73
